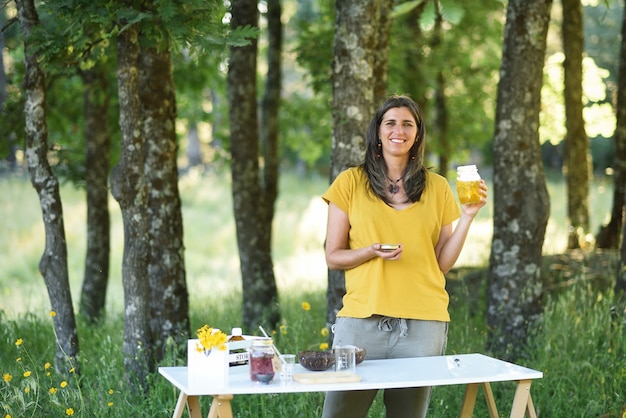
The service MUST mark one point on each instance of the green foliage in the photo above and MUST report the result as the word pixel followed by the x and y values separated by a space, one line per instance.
pixel 579 348
pixel 602 20
pixel 465 54
pixel 597 112
pixel 314 47
pixel 306 128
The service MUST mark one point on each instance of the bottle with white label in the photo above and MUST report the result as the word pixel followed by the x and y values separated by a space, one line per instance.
pixel 237 357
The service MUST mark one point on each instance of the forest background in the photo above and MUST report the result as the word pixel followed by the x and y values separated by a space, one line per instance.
pixel 204 150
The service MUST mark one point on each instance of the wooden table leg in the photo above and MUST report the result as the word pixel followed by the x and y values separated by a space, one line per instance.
pixel 491 402
pixel 522 402
pixel 180 405
pixel 220 407
pixel 193 407
pixel 469 400
pixel 530 408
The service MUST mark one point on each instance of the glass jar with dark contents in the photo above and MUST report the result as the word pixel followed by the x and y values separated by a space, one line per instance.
pixel 261 355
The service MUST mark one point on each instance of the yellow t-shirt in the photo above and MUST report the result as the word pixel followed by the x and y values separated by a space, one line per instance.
pixel 412 287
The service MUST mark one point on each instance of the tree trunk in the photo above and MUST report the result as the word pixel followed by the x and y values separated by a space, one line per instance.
pixel 169 300
pixel 128 186
pixel 577 157
pixel 269 114
pixel 384 9
pixel 8 148
pixel 609 235
pixel 194 148
pixel 260 296
pixel 353 103
pixel 620 172
pixel 97 144
pixel 441 110
pixel 53 263
pixel 521 201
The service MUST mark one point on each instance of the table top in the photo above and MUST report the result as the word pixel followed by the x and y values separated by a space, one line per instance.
pixel 375 374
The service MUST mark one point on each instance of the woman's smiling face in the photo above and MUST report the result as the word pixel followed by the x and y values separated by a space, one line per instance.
pixel 398 131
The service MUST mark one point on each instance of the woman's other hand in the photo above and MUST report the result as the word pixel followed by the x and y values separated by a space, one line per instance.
pixel 387 254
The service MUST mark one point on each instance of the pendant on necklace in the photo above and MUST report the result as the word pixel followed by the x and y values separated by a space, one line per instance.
pixel 393 187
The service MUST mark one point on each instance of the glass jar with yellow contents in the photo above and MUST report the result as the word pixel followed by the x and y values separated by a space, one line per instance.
pixel 467 184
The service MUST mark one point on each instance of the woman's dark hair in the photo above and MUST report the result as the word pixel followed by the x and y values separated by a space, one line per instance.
pixel 414 176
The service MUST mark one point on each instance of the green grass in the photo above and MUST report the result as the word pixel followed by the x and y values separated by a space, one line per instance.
pixel 578 346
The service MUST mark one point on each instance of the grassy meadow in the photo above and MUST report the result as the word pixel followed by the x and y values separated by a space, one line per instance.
pixel 578 346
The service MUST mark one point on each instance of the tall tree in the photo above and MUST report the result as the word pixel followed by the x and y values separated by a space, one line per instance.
pixel 3 74
pixel 260 296
pixel 610 234
pixel 521 201
pixel 441 107
pixel 97 158
pixel 577 157
pixel 353 69
pixel 620 169
pixel 53 264
pixel 10 121
pixel 270 105
pixel 129 188
pixel 166 269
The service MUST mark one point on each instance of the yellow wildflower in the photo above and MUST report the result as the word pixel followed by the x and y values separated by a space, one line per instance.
pixel 18 359
pixel 27 373
pixel 324 346
pixel 283 329
pixel 324 332
pixel 47 366
pixel 110 404
pixel 53 314
pixel 306 306
pixel 7 377
pixel 19 342
pixel 73 369
pixel 69 412
pixel 53 391
pixel 211 338
pixel 110 391
pixel 48 374
pixel 26 389
pixel 7 416
pixel 63 384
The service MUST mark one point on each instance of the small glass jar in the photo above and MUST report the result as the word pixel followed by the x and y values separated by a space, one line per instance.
pixel 468 184
pixel 261 355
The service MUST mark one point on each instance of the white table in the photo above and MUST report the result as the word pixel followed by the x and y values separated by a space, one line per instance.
pixel 472 370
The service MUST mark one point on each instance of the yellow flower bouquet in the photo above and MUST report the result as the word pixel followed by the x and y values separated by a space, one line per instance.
pixel 210 338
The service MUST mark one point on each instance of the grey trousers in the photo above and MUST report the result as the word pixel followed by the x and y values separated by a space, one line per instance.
pixel 384 337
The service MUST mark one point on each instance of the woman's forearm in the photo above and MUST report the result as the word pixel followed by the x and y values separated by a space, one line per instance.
pixel 345 259
pixel 451 249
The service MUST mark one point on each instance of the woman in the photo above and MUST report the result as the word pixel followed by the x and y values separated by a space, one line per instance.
pixel 395 304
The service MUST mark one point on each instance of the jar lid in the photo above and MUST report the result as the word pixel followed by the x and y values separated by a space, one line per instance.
pixel 236 332
pixel 263 341
pixel 467 168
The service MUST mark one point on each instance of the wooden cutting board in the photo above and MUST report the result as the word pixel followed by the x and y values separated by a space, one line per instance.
pixel 326 377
